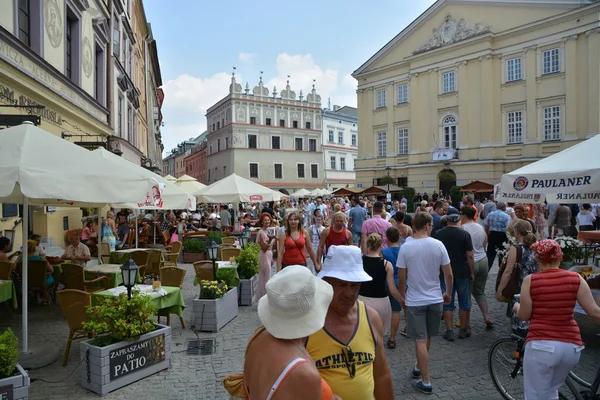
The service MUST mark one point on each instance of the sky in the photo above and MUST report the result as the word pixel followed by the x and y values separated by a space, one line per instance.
pixel 200 41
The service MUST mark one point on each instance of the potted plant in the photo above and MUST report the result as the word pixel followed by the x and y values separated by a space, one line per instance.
pixel 193 250
pixel 127 346
pixel 248 271
pixel 215 236
pixel 14 381
pixel 572 250
pixel 216 305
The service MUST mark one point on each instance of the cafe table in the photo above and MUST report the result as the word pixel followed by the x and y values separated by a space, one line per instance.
pixel 167 299
pixel 225 265
pixel 120 256
pixel 111 271
pixel 8 292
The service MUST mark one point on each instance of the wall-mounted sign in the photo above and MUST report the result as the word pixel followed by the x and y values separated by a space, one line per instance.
pixel 6 392
pixel 134 357
pixel 9 96
pixel 443 155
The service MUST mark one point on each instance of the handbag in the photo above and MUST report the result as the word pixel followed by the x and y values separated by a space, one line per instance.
pixel 234 383
pixel 512 286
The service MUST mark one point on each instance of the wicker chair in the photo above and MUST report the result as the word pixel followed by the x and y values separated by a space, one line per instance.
pixel 5 270
pixel 140 257
pixel 74 277
pixel 228 252
pixel 154 264
pixel 204 271
pixel 37 274
pixel 105 253
pixel 173 255
pixel 171 276
pixel 73 304
pixel 229 240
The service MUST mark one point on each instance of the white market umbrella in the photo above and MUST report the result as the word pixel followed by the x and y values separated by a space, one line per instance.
pixel 325 192
pixel 317 193
pixel 169 178
pixel 189 184
pixel 38 168
pixel 569 176
pixel 235 189
pixel 300 194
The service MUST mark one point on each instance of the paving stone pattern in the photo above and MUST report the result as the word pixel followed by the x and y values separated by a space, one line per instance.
pixel 459 369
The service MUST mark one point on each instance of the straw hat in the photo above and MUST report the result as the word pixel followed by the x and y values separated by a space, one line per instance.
pixel 296 303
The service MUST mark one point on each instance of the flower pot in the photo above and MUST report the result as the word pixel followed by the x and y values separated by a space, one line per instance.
pixel 190 258
pixel 111 367
pixel 210 315
pixel 247 288
pixel 15 387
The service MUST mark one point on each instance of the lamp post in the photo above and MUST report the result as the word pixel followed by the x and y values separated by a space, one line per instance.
pixel 129 271
pixel 388 169
pixel 213 253
pixel 247 234
pixel 243 241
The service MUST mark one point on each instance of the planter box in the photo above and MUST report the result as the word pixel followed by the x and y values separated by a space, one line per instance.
pixel 117 365
pixel 15 387
pixel 247 288
pixel 212 315
pixel 190 258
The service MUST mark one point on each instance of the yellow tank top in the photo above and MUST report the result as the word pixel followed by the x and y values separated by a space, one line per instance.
pixel 337 361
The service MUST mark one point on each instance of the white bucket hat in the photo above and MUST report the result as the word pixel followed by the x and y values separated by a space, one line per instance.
pixel 296 303
pixel 344 263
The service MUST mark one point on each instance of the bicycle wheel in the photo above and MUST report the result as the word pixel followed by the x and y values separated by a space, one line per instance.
pixel 504 361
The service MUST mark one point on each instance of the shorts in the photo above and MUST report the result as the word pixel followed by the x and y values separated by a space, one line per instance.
pixel 396 307
pixel 551 222
pixel 356 238
pixel 423 321
pixel 462 288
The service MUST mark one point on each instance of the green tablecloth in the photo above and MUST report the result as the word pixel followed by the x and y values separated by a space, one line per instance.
pixel 224 265
pixel 8 292
pixel 171 303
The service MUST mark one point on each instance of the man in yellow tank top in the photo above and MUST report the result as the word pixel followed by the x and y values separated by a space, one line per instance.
pixel 348 351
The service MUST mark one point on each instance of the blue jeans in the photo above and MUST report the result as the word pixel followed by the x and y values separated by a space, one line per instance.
pixel 356 237
pixel 462 288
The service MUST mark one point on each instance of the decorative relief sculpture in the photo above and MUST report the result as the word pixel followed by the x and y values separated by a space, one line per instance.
pixel 451 31
pixel 53 22
pixel 241 114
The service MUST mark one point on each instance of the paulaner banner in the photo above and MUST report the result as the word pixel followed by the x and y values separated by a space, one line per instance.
pixel 514 196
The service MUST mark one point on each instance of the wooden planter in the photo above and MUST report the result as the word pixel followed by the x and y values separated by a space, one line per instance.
pixel 117 365
pixel 190 258
pixel 211 315
pixel 247 288
pixel 15 387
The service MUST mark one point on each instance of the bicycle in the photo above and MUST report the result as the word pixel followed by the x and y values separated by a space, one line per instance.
pixel 512 369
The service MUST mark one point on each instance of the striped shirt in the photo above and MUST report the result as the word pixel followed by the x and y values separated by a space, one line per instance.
pixel 554 294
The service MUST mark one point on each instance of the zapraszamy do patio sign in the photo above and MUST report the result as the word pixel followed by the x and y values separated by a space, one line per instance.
pixel 135 357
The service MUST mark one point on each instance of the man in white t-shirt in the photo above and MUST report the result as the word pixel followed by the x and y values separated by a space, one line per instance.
pixel 419 263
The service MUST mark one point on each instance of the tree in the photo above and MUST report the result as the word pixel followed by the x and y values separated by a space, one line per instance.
pixel 385 180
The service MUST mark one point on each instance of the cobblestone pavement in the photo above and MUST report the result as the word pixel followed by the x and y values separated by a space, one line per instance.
pixel 459 369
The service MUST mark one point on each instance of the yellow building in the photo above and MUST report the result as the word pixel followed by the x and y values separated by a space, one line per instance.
pixel 472 89
pixel 53 65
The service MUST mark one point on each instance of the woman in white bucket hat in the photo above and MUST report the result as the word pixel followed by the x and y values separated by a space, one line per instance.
pixel 294 307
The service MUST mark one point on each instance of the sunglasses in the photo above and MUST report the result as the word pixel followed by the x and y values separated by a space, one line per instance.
pixel 348 358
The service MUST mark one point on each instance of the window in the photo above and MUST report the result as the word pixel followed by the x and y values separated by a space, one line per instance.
pixel 24 22
pixel 314 171
pixel 268 121
pixel 226 143
pixel 69 47
pixel 551 63
pixel 381 98
pixel 332 162
pixel 448 82
pixel 353 163
pixel 282 123
pixel 218 125
pixel 130 62
pixel 343 163
pixel 278 171
pixel 10 210
pixel 253 170
pixel 307 125
pixel 312 144
pixel 120 116
pixel 208 175
pixel 403 94
pixel 129 124
pixel 99 66
pixel 551 123
pixel 299 144
pixel 224 171
pixel 513 69
pixel 252 120
pixel 515 127
pixel 295 124
pixel 340 137
pixel 449 127
pixel 403 141
pixel 275 142
pixel 354 139
pixel 381 144
pixel 213 129
pixel 330 138
pixel 116 37
pixel 252 141
pixel 402 182
pixel 210 148
pixel 218 145
pixel 216 174
pixel 301 171
pixel 135 139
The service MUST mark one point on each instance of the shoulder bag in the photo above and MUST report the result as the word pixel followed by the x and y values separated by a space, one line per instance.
pixel 512 286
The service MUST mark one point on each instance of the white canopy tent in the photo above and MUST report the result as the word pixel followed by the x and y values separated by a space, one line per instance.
pixel 319 192
pixel 38 168
pixel 189 184
pixel 300 194
pixel 569 176
pixel 169 178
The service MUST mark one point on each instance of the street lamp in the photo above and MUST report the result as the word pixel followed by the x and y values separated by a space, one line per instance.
pixel 247 233
pixel 213 254
pixel 388 169
pixel 129 271
pixel 243 241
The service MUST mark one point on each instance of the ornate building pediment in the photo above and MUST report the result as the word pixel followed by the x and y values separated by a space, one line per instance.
pixel 451 31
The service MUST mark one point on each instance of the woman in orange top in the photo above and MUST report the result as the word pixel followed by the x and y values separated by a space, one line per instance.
pixel 294 245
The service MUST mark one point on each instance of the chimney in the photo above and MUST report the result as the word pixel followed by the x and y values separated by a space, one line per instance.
pixel 335 108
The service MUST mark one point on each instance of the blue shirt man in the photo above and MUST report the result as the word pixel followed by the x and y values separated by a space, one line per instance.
pixel 356 217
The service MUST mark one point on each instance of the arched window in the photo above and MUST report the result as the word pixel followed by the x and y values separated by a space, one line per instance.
pixel 449 131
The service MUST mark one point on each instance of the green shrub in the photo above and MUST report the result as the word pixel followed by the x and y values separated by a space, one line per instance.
pixel 455 195
pixel 120 318
pixel 384 180
pixel 194 246
pixel 248 261
pixel 409 194
pixel 227 276
pixel 215 236
pixel 9 353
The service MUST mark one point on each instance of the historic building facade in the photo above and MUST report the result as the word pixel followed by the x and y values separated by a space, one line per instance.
pixel 340 146
pixel 195 162
pixel 270 139
pixel 473 89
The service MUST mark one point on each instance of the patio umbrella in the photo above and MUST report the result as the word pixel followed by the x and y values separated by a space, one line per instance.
pixel 169 178
pixel 300 194
pixel 189 184
pixel 317 193
pixel 569 176
pixel 38 168
pixel 235 189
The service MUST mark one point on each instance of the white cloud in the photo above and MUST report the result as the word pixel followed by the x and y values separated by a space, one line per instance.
pixel 247 57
